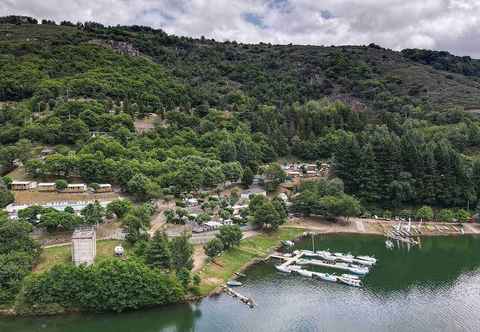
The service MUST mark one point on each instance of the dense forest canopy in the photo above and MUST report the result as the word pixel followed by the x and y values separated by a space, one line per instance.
pixel 392 123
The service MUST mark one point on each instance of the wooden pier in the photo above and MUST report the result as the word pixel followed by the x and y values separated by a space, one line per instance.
pixel 244 299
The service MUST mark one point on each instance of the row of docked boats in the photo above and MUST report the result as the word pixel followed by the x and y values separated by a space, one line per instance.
pixel 341 257
pixel 347 279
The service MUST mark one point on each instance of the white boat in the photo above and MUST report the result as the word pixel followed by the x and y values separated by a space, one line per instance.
pixel 339 254
pixel 283 269
pixel 361 270
pixel 233 283
pixel 350 281
pixel 302 261
pixel 326 255
pixel 309 253
pixel 345 275
pixel 362 262
pixel 368 258
pixel 294 267
pixel 288 243
pixel 304 273
pixel 327 277
pixel 389 244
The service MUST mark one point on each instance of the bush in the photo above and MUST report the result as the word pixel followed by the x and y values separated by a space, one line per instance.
pixel 61 184
pixel 213 247
pixel 112 285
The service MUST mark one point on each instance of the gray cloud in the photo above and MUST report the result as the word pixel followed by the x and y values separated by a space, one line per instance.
pixel 452 25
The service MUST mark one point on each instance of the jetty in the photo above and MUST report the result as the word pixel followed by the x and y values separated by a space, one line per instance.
pixel 244 299
pixel 339 266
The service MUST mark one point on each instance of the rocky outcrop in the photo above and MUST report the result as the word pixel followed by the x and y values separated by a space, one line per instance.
pixel 118 46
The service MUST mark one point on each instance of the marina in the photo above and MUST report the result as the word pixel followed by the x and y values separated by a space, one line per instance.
pixel 433 288
pixel 294 263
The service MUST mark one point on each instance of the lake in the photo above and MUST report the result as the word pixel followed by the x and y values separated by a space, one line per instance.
pixel 432 288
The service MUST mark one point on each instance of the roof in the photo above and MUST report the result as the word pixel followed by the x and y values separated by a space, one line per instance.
pixel 21 182
pixel 104 185
pixel 83 233
pixel 41 184
pixel 70 185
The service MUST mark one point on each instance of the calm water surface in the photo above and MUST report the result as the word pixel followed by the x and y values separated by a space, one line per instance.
pixel 433 288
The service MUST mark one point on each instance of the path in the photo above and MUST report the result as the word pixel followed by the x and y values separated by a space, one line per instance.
pixel 471 229
pixel 159 219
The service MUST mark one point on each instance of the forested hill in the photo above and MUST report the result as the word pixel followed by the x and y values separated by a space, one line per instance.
pixel 225 111
pixel 37 59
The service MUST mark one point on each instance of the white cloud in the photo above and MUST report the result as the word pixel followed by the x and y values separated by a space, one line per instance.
pixel 452 25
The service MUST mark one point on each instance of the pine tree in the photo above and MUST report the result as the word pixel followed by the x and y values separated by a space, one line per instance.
pixel 158 254
pixel 182 251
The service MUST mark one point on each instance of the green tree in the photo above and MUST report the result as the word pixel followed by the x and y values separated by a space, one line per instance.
pixel 120 207
pixel 158 253
pixel 213 248
pixel 424 213
pixel 93 213
pixel 61 184
pixel 230 235
pixel 247 177
pixel 463 215
pixel 182 251
pixel 446 215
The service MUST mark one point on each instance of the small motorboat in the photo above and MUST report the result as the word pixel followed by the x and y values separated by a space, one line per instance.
pixel 327 277
pixel 288 243
pixel 345 275
pixel 347 280
pixel 294 268
pixel 234 283
pixel 339 254
pixel 239 274
pixel 304 273
pixel 326 255
pixel 368 258
pixel 302 261
pixel 362 262
pixel 283 269
pixel 361 270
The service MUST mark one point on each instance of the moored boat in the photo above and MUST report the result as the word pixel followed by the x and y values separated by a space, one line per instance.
pixel 348 280
pixel 283 269
pixel 368 258
pixel 304 273
pixel 234 283
pixel 327 277
pixel 361 270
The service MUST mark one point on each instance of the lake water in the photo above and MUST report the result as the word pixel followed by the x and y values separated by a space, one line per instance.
pixel 432 288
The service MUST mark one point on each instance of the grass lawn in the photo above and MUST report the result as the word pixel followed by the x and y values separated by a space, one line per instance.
pixel 234 259
pixel 58 255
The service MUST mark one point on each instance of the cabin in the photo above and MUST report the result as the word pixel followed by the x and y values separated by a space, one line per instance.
pixel 23 185
pixel 310 174
pixel 47 186
pixel 293 174
pixel 75 188
pixel 310 167
pixel 104 188
pixel 84 246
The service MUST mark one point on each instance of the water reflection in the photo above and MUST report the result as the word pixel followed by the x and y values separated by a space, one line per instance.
pixel 433 288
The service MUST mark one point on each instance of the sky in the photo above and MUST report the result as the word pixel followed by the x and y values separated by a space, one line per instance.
pixel 450 25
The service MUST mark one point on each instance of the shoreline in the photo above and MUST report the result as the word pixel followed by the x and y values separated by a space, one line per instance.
pixel 297 231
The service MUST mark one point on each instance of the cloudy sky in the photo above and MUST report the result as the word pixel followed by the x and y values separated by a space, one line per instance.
pixel 452 25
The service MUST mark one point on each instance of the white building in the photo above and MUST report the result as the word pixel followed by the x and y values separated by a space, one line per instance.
pixel 84 246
